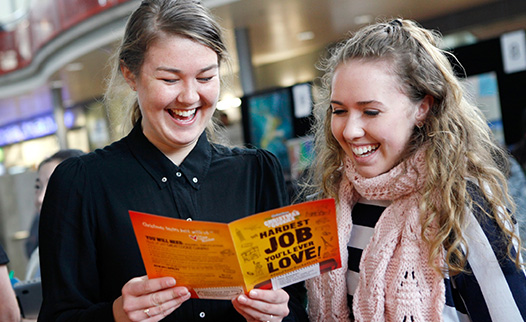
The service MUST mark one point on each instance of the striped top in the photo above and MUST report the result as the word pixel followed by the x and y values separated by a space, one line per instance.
pixel 492 292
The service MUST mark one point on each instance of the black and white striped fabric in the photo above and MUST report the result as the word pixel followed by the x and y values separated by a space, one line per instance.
pixel 494 291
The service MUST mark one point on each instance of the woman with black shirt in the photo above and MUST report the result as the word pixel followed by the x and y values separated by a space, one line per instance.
pixel 91 265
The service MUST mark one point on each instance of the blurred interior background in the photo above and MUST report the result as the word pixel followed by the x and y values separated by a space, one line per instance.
pixel 53 66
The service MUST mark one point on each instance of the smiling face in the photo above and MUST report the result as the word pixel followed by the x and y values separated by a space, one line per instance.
pixel 372 118
pixel 177 88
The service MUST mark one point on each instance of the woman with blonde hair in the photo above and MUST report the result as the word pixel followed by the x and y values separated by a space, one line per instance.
pixel 424 216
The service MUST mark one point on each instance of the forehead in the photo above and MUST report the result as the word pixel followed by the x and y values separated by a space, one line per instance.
pixel 364 75
pixel 47 169
pixel 170 49
pixel 360 65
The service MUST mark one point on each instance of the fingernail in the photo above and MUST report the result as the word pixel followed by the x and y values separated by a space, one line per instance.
pixel 253 293
pixel 242 299
pixel 171 282
pixel 184 292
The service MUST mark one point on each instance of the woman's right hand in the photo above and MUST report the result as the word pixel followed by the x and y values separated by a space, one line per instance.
pixel 149 300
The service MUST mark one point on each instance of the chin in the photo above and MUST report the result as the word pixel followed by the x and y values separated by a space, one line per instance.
pixel 370 173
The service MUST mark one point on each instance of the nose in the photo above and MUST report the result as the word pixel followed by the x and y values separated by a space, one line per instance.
pixel 354 129
pixel 189 93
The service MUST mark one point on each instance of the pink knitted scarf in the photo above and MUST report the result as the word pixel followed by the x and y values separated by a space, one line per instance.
pixel 396 282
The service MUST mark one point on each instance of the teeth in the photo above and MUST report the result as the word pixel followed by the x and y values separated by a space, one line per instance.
pixel 184 113
pixel 365 149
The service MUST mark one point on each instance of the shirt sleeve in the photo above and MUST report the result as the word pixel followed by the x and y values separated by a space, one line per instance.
pixel 3 256
pixel 273 194
pixel 70 281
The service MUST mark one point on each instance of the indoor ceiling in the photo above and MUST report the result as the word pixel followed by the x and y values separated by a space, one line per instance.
pixel 275 26
pixel 283 30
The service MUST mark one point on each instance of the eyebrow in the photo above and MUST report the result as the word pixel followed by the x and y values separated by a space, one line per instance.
pixel 178 71
pixel 359 103
pixel 363 103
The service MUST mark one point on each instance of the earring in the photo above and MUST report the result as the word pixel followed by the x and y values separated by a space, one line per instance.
pixel 419 124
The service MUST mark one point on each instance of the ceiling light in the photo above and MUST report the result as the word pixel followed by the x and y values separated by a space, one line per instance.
pixel 458 39
pixel 74 67
pixel 304 36
pixel 227 103
pixel 363 19
pixel 21 235
pixel 217 3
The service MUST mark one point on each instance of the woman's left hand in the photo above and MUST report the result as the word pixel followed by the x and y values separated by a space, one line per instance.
pixel 262 305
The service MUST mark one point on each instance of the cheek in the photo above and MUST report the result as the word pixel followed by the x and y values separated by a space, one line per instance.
pixel 337 125
pixel 336 130
pixel 154 100
pixel 397 137
pixel 211 92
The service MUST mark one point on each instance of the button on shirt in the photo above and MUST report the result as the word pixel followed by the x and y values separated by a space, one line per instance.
pixel 87 245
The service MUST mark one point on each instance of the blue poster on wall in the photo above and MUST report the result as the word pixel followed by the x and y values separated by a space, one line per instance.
pixel 271 123
pixel 484 90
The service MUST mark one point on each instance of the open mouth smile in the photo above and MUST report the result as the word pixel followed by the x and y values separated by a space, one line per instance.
pixel 365 150
pixel 182 115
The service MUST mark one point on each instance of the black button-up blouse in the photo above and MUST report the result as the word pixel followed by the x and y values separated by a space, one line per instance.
pixel 88 249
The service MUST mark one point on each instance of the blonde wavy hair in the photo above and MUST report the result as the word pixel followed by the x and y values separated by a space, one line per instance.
pixel 460 145
pixel 150 22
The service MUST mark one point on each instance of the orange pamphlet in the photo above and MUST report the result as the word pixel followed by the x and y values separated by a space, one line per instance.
pixel 269 250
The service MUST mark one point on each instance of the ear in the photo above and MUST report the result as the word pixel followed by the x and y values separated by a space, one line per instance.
pixel 424 107
pixel 128 76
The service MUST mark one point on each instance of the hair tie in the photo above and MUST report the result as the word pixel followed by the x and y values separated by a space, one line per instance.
pixel 393 26
pixel 396 22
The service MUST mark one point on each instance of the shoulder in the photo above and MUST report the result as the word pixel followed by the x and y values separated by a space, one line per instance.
pixel 116 151
pixel 256 155
pixel 3 256
pixel 256 165
pixel 483 233
pixel 96 163
pixel 480 208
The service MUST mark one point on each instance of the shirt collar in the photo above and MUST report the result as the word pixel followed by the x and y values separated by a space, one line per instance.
pixel 197 163
pixel 194 167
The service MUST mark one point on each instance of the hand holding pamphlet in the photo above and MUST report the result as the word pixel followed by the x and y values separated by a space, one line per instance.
pixel 271 250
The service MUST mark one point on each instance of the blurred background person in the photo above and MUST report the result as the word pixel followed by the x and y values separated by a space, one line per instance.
pixel 518 150
pixel 45 169
pixel 9 311
pixel 517 189
pixel 517 179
